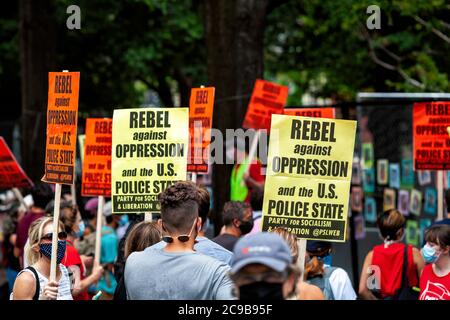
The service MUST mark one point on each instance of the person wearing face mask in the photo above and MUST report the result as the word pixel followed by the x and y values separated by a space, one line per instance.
pixel 74 227
pixel 382 272
pixel 33 282
pixel 238 221
pixel 177 271
pixel 262 268
pixel 333 281
pixel 435 277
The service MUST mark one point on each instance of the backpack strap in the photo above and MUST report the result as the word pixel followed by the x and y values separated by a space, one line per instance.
pixel 38 286
pixel 405 280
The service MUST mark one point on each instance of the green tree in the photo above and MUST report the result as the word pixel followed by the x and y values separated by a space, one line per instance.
pixel 324 48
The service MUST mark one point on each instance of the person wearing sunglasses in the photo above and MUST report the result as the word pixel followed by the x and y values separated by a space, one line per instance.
pixel 177 271
pixel 74 227
pixel 33 282
pixel 203 244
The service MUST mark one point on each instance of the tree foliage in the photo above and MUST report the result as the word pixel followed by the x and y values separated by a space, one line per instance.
pixel 325 49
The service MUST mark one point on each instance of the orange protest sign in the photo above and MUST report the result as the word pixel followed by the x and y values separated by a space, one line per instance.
pixel 96 178
pixel 267 99
pixel 431 135
pixel 311 112
pixel 200 121
pixel 62 116
pixel 11 174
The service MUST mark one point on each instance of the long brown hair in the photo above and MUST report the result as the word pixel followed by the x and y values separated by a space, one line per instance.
pixel 142 235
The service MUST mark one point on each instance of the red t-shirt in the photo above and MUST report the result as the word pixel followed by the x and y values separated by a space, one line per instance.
pixel 390 262
pixel 72 258
pixel 433 287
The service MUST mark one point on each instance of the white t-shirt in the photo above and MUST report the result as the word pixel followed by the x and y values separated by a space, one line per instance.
pixel 64 285
pixel 341 285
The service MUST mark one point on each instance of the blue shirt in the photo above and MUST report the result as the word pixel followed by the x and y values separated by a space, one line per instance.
pixel 109 248
pixel 206 247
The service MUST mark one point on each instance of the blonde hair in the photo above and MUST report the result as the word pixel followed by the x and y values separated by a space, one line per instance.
pixel 142 235
pixel 290 239
pixel 34 237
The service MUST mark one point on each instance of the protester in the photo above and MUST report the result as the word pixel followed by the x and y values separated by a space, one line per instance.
pixel 256 202
pixel 333 281
pixel 262 268
pixel 388 259
pixel 177 271
pixel 435 277
pixel 119 265
pixel 142 235
pixel 9 261
pixel 33 282
pixel 304 290
pixel 108 255
pixel 203 244
pixel 42 194
pixel 74 227
pixel 90 208
pixel 245 177
pixel 238 221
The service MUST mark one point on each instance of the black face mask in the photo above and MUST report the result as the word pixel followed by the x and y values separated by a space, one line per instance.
pixel 261 290
pixel 246 226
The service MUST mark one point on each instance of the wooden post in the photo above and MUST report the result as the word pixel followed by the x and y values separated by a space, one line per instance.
pixel 252 150
pixel 301 257
pixel 55 232
pixel 98 231
pixel 440 194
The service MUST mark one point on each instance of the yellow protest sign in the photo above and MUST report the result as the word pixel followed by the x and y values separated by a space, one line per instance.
pixel 149 153
pixel 308 176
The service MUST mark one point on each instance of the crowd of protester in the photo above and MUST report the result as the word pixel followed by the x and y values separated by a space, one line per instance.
pixel 172 258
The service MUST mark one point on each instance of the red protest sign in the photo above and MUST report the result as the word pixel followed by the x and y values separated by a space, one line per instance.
pixel 267 99
pixel 96 178
pixel 11 174
pixel 62 117
pixel 200 122
pixel 311 112
pixel 431 135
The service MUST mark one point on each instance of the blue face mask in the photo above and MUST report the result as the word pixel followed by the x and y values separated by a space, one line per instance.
pixel 326 260
pixel 429 254
pixel 46 250
pixel 123 220
pixel 81 228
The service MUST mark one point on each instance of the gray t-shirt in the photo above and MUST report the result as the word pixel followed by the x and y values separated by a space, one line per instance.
pixel 154 274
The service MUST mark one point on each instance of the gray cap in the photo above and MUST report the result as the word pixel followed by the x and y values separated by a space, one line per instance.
pixel 264 248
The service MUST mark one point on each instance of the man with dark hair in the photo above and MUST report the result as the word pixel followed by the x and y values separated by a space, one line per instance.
pixel 177 271
pixel 238 221
pixel 42 194
pixel 204 245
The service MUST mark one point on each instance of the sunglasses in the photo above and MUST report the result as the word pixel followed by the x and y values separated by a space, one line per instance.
pixel 182 237
pixel 49 236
